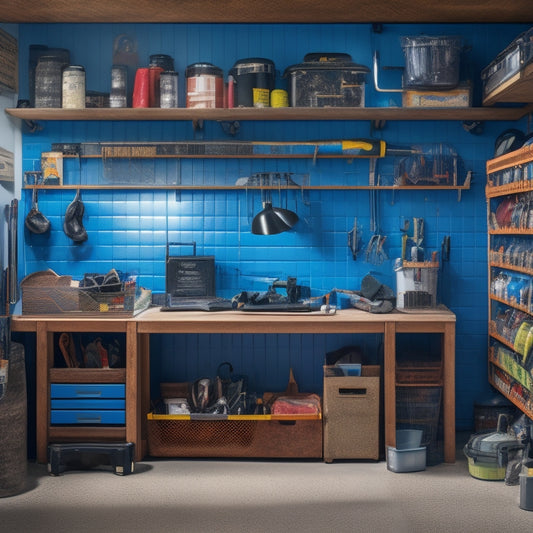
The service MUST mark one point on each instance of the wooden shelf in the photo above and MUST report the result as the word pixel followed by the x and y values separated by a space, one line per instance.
pixel 241 188
pixel 511 231
pixel 284 114
pixel 521 156
pixel 505 266
pixel 516 401
pixel 250 11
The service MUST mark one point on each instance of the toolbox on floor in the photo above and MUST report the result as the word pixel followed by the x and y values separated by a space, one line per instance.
pixel 351 414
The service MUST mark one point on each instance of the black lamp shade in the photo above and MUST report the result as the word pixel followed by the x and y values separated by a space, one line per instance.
pixel 273 220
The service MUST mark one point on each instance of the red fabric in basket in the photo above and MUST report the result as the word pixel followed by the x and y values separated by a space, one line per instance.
pixel 296 405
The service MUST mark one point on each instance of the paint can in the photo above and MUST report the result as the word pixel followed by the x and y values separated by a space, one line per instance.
pixel 168 84
pixel 279 98
pixel 205 86
pixel 73 91
pixel 253 79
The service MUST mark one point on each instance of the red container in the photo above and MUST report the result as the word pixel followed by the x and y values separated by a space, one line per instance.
pixel 141 88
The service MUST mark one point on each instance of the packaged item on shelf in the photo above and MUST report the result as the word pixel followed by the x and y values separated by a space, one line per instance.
pixel 118 96
pixel 205 86
pixel 253 80
pixel 73 93
pixel 141 88
pixel 327 80
pixel 431 62
pixel 48 77
pixel 168 84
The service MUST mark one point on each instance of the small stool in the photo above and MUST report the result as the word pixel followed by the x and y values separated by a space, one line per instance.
pixel 81 456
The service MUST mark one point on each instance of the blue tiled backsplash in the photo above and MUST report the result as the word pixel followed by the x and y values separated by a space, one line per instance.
pixel 129 229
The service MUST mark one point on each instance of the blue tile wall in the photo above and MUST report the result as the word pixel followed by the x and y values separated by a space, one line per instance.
pixel 129 229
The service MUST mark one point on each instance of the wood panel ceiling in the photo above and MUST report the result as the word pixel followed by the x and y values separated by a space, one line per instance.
pixel 257 11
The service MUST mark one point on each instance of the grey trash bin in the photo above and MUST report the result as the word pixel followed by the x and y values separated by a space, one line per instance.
pixel 13 426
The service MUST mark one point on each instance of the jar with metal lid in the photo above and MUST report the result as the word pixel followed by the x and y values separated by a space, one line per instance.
pixel 73 94
pixel 205 86
pixel 162 60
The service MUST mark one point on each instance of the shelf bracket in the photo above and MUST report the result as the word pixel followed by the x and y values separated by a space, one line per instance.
pixel 230 127
pixel 475 127
pixel 468 179
pixel 197 124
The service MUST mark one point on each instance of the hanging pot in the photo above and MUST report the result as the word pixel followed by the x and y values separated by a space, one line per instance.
pixel 73 223
pixel 35 221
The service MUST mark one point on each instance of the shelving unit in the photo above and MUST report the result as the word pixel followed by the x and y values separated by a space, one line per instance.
pixel 510 261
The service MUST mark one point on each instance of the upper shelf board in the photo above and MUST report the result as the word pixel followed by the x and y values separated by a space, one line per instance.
pixel 288 113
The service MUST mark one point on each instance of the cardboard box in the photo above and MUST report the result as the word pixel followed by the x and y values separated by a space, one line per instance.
pixel 351 414
pixel 52 168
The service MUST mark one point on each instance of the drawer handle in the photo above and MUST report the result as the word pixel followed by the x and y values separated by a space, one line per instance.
pixel 352 392
pixel 89 420
pixel 89 393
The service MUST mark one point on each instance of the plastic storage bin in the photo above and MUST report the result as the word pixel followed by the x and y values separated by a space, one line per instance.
pixel 431 62
pixel 409 460
pixel 327 80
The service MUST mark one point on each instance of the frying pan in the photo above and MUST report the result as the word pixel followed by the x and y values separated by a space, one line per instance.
pixel 35 221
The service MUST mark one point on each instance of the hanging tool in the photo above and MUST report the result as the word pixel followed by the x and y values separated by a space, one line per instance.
pixel 13 252
pixel 362 148
pixel 354 239
pixel 417 251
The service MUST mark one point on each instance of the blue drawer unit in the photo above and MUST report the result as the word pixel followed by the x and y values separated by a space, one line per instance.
pixel 87 390
pixel 88 403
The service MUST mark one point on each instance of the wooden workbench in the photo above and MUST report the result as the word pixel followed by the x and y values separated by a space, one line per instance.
pixel 152 321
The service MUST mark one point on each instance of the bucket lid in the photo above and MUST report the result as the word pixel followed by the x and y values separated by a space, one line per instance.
pixel 453 41
pixel 327 61
pixel 197 69
pixel 252 65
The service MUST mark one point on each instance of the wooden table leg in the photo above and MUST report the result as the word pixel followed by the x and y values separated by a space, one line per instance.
pixel 133 390
pixel 44 360
pixel 448 351
pixel 389 383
